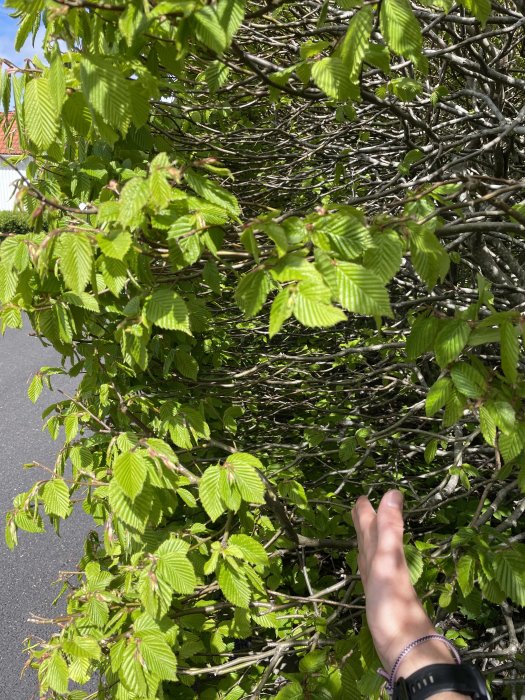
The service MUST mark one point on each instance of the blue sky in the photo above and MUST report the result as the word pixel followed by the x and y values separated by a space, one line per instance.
pixel 8 29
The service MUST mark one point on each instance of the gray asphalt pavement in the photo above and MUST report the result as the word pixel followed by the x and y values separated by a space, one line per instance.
pixel 27 574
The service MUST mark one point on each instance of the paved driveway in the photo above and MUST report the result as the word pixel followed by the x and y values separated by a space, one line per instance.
pixel 27 573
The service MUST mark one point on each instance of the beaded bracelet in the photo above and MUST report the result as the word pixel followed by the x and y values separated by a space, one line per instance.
pixel 391 678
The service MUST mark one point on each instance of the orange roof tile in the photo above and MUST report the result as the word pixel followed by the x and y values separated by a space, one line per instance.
pixel 9 138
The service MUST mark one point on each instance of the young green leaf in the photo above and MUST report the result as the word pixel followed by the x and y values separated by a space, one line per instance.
pixel 209 492
pixel 468 380
pixel 252 551
pixel 331 76
pixel 233 584
pixel 355 42
pixel 177 571
pixel 360 291
pixel 451 340
pixel 41 113
pixel 311 311
pixel 400 28
pixel 243 468
pixel 76 260
pixel 510 573
pixel 252 291
pixel 422 336
pixel 168 310
pixel 280 311
pixel 56 498
pixel 130 470
pixel 438 395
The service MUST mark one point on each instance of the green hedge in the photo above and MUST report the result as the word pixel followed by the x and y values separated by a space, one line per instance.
pixel 14 222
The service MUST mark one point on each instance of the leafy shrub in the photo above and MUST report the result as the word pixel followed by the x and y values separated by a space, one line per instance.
pixel 333 308
pixel 14 222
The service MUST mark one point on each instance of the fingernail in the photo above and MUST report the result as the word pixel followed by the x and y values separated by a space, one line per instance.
pixel 394 499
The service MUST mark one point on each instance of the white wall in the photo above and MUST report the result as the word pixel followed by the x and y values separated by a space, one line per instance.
pixel 7 178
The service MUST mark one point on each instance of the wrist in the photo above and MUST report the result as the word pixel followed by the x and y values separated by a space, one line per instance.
pixel 431 652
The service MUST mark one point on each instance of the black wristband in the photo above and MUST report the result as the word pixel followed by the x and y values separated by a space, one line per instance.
pixel 437 678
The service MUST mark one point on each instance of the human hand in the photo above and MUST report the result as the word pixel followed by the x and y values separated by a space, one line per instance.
pixel 395 615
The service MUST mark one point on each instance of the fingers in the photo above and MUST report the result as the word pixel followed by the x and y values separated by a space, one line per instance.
pixel 363 516
pixel 390 522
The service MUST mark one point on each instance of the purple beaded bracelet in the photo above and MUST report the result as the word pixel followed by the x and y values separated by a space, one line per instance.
pixel 391 678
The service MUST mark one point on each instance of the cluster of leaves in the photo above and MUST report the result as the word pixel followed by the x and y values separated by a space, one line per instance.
pixel 252 356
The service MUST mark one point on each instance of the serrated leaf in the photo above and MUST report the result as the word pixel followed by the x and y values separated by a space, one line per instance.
pixel 509 351
pixel 465 572
pixel 428 256
pixel 216 75
pixel 209 30
pixel 430 451
pixel 280 311
pixel 422 336
pixel 384 258
pixel 57 81
pixel 400 28
pixel 157 654
pixel 512 443
pixel 167 309
pixel 345 235
pixel 451 340
pixel 212 192
pixel 97 612
pixel 355 42
pixel 454 407
pixel 510 573
pixel 56 498
pixel 487 425
pixel 130 23
pixel 234 585
pixel 115 244
pixel 313 662
pixel 54 673
pixel 177 570
pixel 243 467
pixel 252 551
pixel 502 414
pixel 291 691
pixel 82 647
pixel 134 513
pixel 209 492
pixel 360 291
pixel 133 198
pixel 130 470
pixel 312 306
pixel 131 670
pixel 35 388
pixel 107 91
pixel 252 291
pixel 231 15
pixel 468 380
pixel 114 274
pixel 185 364
pixel 41 113
pixel 331 76
pixel 415 563
pixel 76 260
pixel 82 300
pixel 438 395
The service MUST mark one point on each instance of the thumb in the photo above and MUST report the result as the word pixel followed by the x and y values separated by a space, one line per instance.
pixel 390 521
